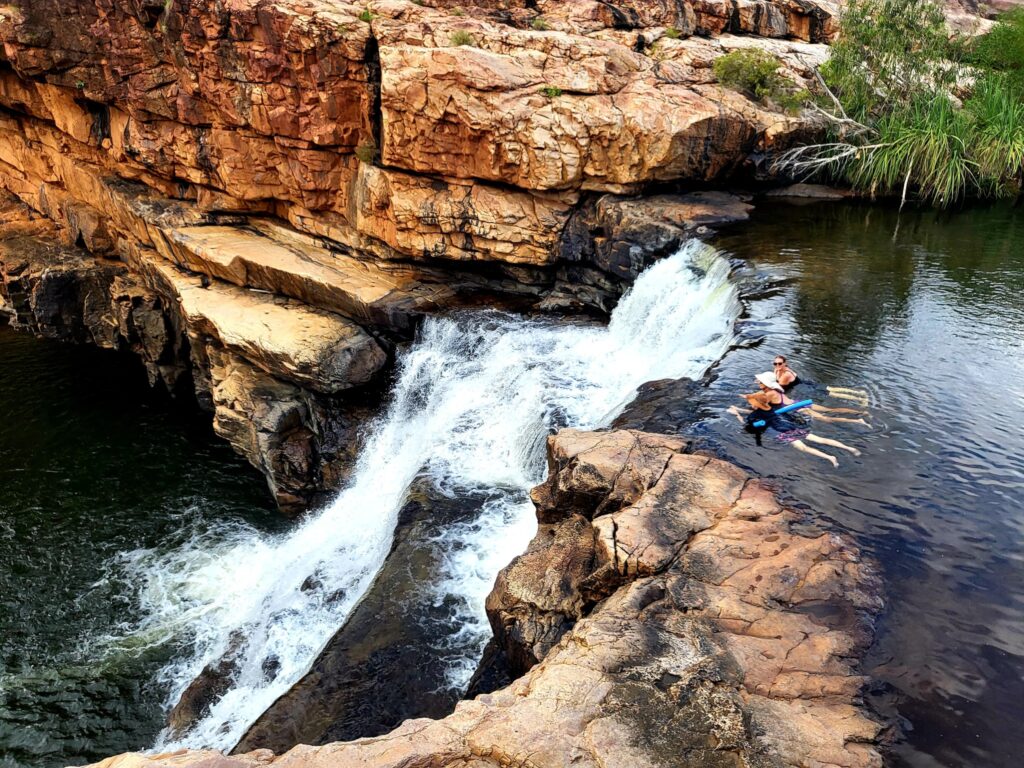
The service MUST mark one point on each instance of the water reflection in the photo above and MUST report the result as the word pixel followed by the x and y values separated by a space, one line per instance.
pixel 927 312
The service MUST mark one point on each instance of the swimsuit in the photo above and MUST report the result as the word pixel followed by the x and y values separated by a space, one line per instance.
pixel 788 430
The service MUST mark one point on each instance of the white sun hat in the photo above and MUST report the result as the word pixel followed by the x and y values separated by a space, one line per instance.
pixel 769 380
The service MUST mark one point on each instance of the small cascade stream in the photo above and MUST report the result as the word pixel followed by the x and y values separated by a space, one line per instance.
pixel 473 401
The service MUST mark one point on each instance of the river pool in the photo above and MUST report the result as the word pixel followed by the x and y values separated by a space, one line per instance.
pixel 94 466
pixel 925 311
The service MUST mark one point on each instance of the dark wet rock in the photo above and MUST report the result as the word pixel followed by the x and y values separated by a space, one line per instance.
pixel 810 192
pixel 382 666
pixel 203 692
pixel 610 240
pixel 493 672
pixel 538 597
pixel 731 637
pixel 667 406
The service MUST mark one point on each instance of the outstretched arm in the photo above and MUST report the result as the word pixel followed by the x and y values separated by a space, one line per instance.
pixel 740 415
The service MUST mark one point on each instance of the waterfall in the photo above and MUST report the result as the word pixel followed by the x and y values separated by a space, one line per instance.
pixel 474 398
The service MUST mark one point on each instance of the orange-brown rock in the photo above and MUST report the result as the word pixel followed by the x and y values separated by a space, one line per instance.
pixel 260 363
pixel 551 111
pixel 262 105
pixel 319 350
pixel 730 640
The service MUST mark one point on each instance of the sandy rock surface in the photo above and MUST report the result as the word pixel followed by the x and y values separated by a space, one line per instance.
pixel 723 638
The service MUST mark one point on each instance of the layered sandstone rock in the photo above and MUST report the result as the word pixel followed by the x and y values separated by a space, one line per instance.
pixel 265 366
pixel 263 105
pixel 412 172
pixel 717 636
pixel 293 341
pixel 550 111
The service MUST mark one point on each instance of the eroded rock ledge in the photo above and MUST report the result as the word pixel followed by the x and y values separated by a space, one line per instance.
pixel 235 184
pixel 670 613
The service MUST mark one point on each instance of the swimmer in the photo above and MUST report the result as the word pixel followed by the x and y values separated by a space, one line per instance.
pixel 764 404
pixel 788 379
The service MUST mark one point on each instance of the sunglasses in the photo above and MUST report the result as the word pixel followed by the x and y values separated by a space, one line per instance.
pixel 779 362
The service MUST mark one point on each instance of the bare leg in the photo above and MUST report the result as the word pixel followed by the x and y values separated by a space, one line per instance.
pixel 849 391
pixel 833 443
pixel 861 401
pixel 845 393
pixel 827 409
pixel 801 446
pixel 823 417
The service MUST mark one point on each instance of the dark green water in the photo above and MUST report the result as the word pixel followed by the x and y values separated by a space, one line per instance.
pixel 926 312
pixel 93 464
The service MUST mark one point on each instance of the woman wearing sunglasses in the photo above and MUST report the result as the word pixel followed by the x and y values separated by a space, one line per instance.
pixel 788 379
pixel 765 402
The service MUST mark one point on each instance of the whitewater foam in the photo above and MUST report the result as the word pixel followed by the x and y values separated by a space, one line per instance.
pixel 474 399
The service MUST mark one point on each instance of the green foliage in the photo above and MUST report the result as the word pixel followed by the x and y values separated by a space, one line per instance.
pixel 367 15
pixel 997 143
pixel 672 33
pixel 750 70
pixel 922 113
pixel 551 91
pixel 792 99
pixel 367 152
pixel 890 51
pixel 462 37
pixel 1002 49
pixel 540 24
pixel 756 73
pixel 458 12
pixel 80 85
pixel 926 143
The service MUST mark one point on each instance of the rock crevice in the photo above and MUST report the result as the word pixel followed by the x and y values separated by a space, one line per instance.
pixel 731 640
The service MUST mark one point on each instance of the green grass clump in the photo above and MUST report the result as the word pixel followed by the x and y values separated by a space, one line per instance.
pixel 997 141
pixel 462 37
pixel 540 24
pixel 1003 47
pixel 551 91
pixel 756 73
pixel 367 15
pixel 458 12
pixel 672 33
pixel 927 143
pixel 919 113
pixel 367 152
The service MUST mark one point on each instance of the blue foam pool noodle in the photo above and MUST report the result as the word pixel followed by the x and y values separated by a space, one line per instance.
pixel 786 409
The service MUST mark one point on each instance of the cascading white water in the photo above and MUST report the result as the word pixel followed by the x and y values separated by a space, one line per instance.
pixel 475 396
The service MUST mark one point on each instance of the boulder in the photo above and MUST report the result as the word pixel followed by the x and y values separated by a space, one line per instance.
pixel 293 341
pixel 734 641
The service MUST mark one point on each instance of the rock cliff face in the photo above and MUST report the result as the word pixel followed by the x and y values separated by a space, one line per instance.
pixel 261 198
pixel 669 614
pixel 264 195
